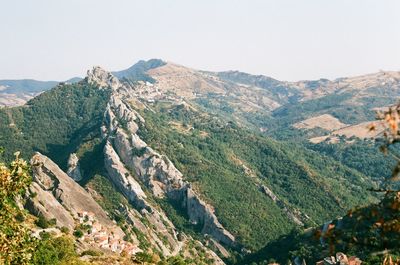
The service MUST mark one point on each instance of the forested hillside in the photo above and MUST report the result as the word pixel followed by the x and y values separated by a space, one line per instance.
pixel 230 164
pixel 54 123
pixel 183 157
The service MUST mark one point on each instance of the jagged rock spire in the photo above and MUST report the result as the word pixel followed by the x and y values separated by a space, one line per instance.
pixel 102 78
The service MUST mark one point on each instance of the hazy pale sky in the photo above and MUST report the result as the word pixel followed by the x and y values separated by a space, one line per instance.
pixel 284 39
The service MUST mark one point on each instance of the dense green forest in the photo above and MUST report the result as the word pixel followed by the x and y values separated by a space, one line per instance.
pixel 213 155
pixel 54 123
pixel 361 155
pixel 370 233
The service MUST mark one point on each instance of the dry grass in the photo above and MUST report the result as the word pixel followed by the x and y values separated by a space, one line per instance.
pixel 325 121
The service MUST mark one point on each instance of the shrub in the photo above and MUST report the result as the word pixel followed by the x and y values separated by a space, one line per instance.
pixel 91 252
pixel 65 230
pixel 78 233
pixel 42 222
pixel 16 242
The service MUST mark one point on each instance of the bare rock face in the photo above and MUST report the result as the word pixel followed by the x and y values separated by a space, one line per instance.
pixel 160 232
pixel 269 193
pixel 101 78
pixel 156 171
pixel 42 202
pixel 201 213
pixel 123 179
pixel 74 170
pixel 58 196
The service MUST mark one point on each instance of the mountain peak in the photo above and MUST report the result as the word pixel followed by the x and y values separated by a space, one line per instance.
pixel 102 78
pixel 137 72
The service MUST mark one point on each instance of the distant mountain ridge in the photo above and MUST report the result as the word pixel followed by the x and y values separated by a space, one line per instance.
pixel 271 93
pixel 138 71
pixel 17 92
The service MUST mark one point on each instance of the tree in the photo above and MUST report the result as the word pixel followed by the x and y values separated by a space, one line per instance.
pixel 16 243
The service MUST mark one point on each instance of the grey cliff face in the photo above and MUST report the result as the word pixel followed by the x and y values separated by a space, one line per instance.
pixel 43 202
pixel 74 170
pixel 101 78
pixel 58 196
pixel 123 179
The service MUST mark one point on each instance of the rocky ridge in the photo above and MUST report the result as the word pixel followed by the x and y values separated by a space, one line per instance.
pixel 156 172
pixel 56 196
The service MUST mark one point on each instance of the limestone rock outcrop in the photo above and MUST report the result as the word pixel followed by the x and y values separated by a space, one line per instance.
pixel 42 202
pixel 294 214
pixel 55 195
pixel 122 178
pixel 140 173
pixel 101 78
pixel 74 170
pixel 201 213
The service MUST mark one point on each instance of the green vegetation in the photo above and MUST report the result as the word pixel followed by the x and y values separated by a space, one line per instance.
pixel 78 233
pixel 16 243
pixel 109 198
pixel 55 123
pixel 360 155
pixel 91 158
pixel 26 86
pixel 56 251
pixel 17 246
pixel 42 222
pixel 368 233
pixel 214 156
pixel 91 252
pixel 371 233
pixel 225 162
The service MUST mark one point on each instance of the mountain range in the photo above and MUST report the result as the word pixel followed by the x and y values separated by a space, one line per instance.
pixel 211 166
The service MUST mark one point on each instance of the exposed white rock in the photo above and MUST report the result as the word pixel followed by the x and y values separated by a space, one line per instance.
pixel 269 193
pixel 201 213
pixel 156 171
pixel 121 177
pixel 294 214
pixel 42 202
pixel 52 185
pixel 74 170
pixel 101 78
pixel 159 225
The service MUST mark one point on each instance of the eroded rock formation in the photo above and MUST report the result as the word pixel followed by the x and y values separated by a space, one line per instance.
pixel 130 162
pixel 55 195
pixel 74 170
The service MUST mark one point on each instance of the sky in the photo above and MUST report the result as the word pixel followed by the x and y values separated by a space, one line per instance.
pixel 285 39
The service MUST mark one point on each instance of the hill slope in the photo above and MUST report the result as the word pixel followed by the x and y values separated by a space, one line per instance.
pixel 180 150
pixel 210 176
pixel 17 92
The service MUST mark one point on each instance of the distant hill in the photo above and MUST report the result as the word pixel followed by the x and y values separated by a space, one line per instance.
pixel 138 71
pixel 17 92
